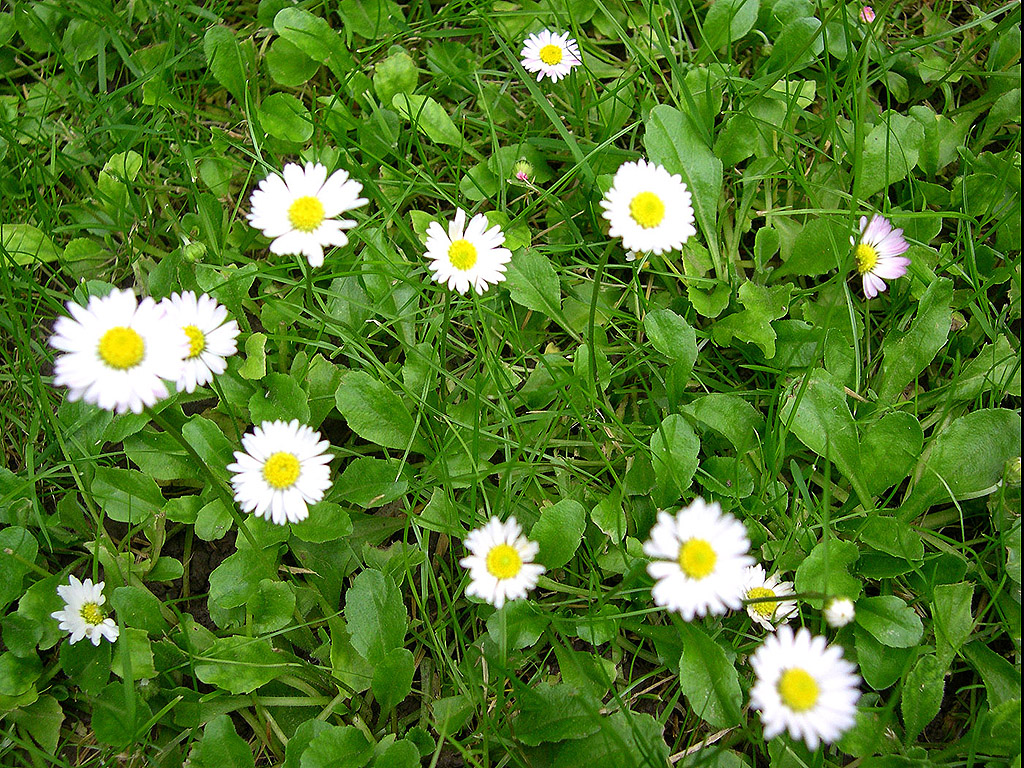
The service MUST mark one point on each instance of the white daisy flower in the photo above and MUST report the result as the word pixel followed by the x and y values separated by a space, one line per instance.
pixel 117 352
pixel 839 612
pixel 211 337
pixel 550 55
pixel 760 586
pixel 82 615
pixel 298 210
pixel 877 254
pixel 500 563
pixel 649 208
pixel 284 468
pixel 700 560
pixel 804 687
pixel 467 256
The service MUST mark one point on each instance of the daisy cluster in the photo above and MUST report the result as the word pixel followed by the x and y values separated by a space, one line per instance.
pixel 122 353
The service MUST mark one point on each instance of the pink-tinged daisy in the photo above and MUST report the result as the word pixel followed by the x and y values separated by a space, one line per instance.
pixel 550 55
pixel 877 253
pixel 867 14
pixel 298 210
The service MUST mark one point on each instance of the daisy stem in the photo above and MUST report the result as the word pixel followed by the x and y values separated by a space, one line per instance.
pixel 216 482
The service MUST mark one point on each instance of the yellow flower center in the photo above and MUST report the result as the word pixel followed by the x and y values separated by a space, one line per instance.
pixel 306 213
pixel 647 210
pixel 196 341
pixel 92 614
pixel 697 558
pixel 281 470
pixel 765 608
pixel 799 691
pixel 122 348
pixel 866 257
pixel 551 54
pixel 462 254
pixel 503 562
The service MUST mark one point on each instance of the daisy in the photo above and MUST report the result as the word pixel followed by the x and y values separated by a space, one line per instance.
pixel 877 254
pixel 298 210
pixel 82 615
pixel 117 351
pixel 759 586
pixel 839 612
pixel 211 337
pixel 284 468
pixel 804 687
pixel 700 557
pixel 549 54
pixel 466 256
pixel 867 14
pixel 649 208
pixel 500 563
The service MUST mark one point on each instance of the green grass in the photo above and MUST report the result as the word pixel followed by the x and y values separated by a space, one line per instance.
pixel 868 446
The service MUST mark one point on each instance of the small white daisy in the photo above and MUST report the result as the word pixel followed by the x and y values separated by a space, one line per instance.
pixel 211 337
pixel 550 55
pixel 500 563
pixel 117 351
pixel 298 210
pixel 766 612
pixel 700 560
pixel 877 254
pixel 467 256
pixel 839 612
pixel 284 468
pixel 82 615
pixel 649 208
pixel 804 687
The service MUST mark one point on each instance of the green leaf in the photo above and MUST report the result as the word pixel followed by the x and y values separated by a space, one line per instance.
pixel 321 381
pixel 965 460
pixel 533 283
pixel 896 538
pixel 396 74
pixel 377 414
pixel 255 365
pixel 18 675
pixel 399 754
pixel 441 515
pixel 371 19
pixel 26 244
pixel 368 482
pixel 375 615
pixel 240 664
pixel 234 581
pixel 821 420
pixel 284 117
pixel 288 65
pixel 283 400
pixel 821 246
pixel 229 62
pixel 118 715
pixel 125 495
pixel 299 741
pixel 625 740
pixel 341 746
pixel 610 517
pixel 210 442
pixel 890 620
pixel 428 117
pixel 523 624
pixel 310 34
pixel 559 532
pixel 922 695
pixel 797 45
pixel 729 20
pixel 271 606
pixel 890 446
pixel 753 324
pixel 133 656
pixel 905 357
pixel 730 416
pixel 392 678
pixel 221 746
pixel 890 151
pixel 326 522
pixel 213 521
pixel 1001 678
pixel 674 449
pixel 138 607
pixel 552 713
pixel 673 141
pixel 951 614
pixel 87 665
pixel 995 368
pixel 826 571
pixel 42 719
pixel 671 335
pixel 881 666
pixel 22 543
pixel 708 679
